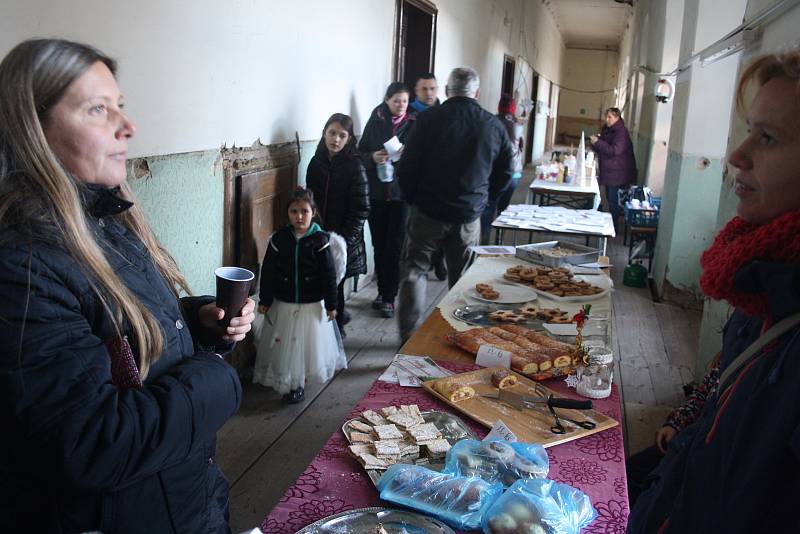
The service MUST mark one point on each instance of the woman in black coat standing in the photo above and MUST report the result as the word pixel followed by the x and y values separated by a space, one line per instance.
pixel 338 180
pixel 387 220
pixel 111 386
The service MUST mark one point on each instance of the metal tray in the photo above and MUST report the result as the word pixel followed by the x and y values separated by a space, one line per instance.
pixel 532 253
pixel 452 428
pixel 367 521
pixel 479 316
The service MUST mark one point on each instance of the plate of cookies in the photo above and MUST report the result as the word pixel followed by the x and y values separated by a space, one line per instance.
pixel 526 315
pixel 558 283
pixel 501 293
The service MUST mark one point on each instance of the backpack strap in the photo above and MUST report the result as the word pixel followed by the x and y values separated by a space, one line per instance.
pixel 776 331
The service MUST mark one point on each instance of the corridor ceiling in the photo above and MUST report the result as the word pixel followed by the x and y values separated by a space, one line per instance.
pixel 590 23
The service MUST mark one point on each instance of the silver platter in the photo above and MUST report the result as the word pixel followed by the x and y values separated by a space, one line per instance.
pixel 452 428
pixel 479 316
pixel 369 520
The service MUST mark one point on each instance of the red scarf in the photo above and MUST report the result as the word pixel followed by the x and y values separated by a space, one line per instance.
pixel 740 242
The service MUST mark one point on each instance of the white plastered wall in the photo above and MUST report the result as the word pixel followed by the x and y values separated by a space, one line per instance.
pixel 200 74
pixel 588 70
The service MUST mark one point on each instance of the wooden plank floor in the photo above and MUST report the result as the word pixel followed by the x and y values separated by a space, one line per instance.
pixel 265 447
pixel 656 348
pixel 268 444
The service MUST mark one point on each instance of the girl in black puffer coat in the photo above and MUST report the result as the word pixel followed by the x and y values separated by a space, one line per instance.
pixel 298 342
pixel 338 180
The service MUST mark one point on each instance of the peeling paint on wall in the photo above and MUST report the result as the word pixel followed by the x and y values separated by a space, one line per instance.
pixel 182 197
pixel 688 221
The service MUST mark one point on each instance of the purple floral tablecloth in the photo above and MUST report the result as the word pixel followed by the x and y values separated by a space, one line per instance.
pixel 335 482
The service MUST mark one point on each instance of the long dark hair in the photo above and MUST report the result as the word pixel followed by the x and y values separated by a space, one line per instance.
pixel 346 122
pixel 394 88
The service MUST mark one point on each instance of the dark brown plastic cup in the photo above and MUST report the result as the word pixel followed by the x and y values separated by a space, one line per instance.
pixel 233 286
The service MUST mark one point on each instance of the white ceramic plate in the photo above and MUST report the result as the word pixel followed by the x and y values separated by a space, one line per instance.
pixel 602 282
pixel 509 293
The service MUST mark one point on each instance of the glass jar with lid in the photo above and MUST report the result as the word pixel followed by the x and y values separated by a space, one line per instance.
pixel 596 374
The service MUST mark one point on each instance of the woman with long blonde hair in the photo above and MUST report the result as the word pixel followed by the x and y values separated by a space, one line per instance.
pixel 111 385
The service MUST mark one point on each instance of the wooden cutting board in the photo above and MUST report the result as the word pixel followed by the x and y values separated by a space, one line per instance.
pixel 531 425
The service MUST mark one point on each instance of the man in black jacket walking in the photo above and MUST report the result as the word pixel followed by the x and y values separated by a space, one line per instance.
pixel 456 159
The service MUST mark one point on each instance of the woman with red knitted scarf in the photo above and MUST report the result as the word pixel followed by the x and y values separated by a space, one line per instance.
pixel 737 469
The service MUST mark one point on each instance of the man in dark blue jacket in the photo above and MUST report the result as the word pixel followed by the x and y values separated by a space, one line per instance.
pixel 456 159
pixel 426 92
pixel 426 95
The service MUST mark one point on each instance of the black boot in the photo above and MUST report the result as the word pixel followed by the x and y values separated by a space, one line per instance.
pixel 439 267
pixel 296 395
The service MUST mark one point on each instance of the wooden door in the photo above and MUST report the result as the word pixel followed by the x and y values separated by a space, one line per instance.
pixel 509 69
pixel 262 200
pixel 532 118
pixel 415 40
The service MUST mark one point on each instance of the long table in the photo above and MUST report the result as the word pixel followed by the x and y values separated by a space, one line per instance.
pixel 579 196
pixel 335 482
pixel 601 233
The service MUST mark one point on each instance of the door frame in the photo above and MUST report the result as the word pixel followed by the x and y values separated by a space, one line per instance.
pixel 528 158
pixel 423 5
pixel 512 61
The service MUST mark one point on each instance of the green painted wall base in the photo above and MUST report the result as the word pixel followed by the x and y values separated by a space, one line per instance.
pixel 183 200
pixel 182 196
pixel 688 221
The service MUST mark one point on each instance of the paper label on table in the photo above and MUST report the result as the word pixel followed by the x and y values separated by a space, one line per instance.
pixel 407 380
pixel 409 371
pixel 500 431
pixel 489 356
pixel 394 147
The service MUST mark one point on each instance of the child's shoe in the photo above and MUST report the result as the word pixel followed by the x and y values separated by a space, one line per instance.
pixel 296 395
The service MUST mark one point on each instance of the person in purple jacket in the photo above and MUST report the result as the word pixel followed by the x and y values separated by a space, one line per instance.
pixel 614 151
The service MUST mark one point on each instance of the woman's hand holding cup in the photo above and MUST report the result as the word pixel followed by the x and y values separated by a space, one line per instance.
pixel 238 327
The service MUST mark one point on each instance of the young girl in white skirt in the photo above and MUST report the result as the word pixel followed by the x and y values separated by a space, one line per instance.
pixel 300 341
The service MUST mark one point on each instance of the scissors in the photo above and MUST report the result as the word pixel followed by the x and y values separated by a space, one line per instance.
pixel 557 427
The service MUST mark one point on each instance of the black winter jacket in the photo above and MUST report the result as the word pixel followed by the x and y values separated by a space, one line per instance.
pixel 77 454
pixel 298 270
pixel 342 196
pixel 378 130
pixel 456 159
pixel 736 469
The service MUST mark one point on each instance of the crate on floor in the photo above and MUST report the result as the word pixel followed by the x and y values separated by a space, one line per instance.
pixel 640 218
pixel 646 217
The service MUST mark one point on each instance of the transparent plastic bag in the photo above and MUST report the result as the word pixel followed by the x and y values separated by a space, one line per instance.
pixel 458 501
pixel 497 461
pixel 539 506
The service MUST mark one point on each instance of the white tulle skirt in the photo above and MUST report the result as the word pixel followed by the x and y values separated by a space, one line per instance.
pixel 298 343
